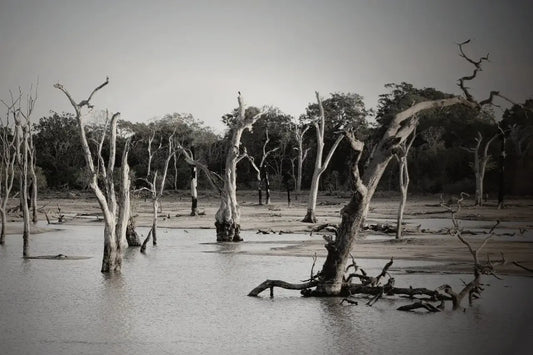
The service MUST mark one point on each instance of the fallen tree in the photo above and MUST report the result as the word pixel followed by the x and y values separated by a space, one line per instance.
pixel 331 280
pixel 432 300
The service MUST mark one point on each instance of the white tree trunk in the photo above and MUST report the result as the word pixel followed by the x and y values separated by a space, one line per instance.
pixel 404 185
pixel 320 166
pixel 227 218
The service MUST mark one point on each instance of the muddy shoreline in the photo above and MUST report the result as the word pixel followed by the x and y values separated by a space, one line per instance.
pixel 514 238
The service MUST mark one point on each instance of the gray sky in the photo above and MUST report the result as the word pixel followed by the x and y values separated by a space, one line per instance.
pixel 193 56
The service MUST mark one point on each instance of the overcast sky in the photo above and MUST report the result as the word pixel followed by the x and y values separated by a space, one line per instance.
pixel 193 56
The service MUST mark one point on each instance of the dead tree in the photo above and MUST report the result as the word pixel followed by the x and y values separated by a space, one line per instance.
pixel 473 288
pixel 116 212
pixel 22 120
pixel 330 281
pixel 7 166
pixel 156 192
pixel 299 132
pixel 401 157
pixel 261 172
pixel 227 218
pixel 480 164
pixel 320 166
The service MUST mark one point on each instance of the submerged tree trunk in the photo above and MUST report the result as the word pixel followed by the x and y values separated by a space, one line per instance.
pixel 3 217
pixel 227 218
pixel 155 209
pixel 132 237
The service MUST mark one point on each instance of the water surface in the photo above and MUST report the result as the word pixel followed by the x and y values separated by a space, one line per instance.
pixel 188 295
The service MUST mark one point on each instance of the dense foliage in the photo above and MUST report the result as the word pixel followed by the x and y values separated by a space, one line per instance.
pixel 439 159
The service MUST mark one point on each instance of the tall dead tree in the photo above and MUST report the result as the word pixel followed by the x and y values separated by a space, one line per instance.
pixel 481 158
pixel 227 218
pixel 7 165
pixel 261 172
pixel 22 120
pixel 320 166
pixel 299 132
pixel 401 157
pixel 156 191
pixel 116 212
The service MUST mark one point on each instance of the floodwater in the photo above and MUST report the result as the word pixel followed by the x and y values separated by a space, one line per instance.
pixel 188 295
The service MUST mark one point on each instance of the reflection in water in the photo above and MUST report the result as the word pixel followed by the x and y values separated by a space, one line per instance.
pixel 177 298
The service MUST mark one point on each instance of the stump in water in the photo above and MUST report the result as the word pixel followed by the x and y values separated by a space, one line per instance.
pixel 228 232
pixel 132 237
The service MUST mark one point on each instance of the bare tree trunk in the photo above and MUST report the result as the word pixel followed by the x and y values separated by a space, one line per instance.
pixel 401 156
pixel 259 191
pixel 227 218
pixel 33 198
pixel 480 165
pixel 131 234
pixel 3 217
pixel 22 164
pixel 404 184
pixel 501 164
pixel 300 132
pixel 267 185
pixel 320 166
pixel 194 190
pixel 313 194
pixel 175 172
pixel 155 208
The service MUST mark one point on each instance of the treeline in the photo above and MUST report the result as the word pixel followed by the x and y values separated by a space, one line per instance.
pixel 441 159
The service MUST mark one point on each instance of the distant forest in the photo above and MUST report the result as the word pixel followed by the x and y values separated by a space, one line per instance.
pixel 441 159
